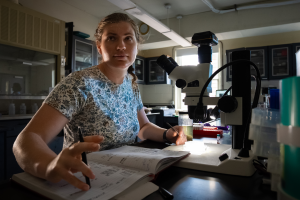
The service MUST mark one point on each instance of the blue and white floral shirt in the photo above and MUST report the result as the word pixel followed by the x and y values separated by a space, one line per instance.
pixel 90 100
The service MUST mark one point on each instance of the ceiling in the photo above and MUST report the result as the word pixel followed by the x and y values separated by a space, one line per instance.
pixel 97 9
pixel 101 8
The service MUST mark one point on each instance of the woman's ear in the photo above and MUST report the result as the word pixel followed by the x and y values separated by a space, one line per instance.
pixel 99 47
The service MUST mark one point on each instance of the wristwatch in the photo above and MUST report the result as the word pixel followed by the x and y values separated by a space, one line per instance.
pixel 165 137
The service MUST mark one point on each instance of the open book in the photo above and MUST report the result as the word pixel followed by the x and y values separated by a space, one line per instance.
pixel 119 173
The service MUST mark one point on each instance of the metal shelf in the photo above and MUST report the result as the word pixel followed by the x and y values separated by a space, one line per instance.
pixel 22 97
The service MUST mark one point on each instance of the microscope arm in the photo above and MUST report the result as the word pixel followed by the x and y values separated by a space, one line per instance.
pixel 233 118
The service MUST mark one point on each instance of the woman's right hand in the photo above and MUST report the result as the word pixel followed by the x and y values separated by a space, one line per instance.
pixel 69 161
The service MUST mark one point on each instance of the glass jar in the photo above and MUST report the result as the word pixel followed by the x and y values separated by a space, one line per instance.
pixel 187 124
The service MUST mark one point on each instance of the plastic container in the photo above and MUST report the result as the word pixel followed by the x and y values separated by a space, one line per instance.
pixel 12 109
pixel 273 165
pixel 23 109
pixel 274 98
pixel 266 149
pixel 187 124
pixel 290 150
pixel 264 132
pixel 34 108
pixel 265 117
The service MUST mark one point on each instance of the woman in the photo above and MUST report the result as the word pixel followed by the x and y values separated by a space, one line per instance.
pixel 104 100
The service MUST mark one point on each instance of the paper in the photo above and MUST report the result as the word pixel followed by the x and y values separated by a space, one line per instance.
pixel 117 171
pixel 109 181
pixel 136 157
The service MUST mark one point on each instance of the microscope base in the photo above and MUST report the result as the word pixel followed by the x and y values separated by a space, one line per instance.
pixel 209 159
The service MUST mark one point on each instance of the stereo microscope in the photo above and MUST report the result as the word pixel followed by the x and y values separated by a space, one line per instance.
pixel 235 109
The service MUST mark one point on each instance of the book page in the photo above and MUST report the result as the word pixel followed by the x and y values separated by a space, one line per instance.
pixel 137 157
pixel 109 181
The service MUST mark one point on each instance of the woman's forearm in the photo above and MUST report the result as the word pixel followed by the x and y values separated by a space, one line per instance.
pixel 32 153
pixel 151 132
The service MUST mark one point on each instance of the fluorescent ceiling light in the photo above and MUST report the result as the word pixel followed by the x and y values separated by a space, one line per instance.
pixel 177 38
pixel 147 18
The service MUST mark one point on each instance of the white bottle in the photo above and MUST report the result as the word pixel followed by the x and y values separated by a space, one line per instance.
pixel 12 109
pixel 34 108
pixel 23 108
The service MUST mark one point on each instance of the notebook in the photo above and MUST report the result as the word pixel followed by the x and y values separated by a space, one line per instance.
pixel 118 173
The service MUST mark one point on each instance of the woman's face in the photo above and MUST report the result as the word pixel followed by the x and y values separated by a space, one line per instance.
pixel 118 45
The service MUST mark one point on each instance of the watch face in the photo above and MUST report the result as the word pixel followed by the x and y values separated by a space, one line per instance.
pixel 144 29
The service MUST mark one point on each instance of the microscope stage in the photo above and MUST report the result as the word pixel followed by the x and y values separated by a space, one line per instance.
pixel 205 157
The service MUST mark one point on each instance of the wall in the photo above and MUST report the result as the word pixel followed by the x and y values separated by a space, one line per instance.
pixel 83 21
pixel 161 94
pixel 264 40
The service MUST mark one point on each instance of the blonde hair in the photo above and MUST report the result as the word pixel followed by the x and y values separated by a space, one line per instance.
pixel 116 18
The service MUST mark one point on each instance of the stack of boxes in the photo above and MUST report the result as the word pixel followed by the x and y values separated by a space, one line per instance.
pixel 264 134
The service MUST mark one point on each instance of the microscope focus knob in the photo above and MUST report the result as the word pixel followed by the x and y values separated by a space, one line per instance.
pixel 227 104
pixel 180 83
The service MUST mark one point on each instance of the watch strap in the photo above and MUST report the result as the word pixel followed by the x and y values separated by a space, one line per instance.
pixel 165 137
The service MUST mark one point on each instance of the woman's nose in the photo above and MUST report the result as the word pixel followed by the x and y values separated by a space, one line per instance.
pixel 121 45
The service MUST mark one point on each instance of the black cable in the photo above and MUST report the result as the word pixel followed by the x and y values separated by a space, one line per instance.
pixel 199 108
pixel 225 66
pixel 259 163
pixel 227 91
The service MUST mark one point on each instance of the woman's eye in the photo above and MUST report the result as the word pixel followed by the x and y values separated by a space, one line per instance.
pixel 129 38
pixel 110 38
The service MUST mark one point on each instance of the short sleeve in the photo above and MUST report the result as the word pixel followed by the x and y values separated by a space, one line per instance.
pixel 139 101
pixel 67 96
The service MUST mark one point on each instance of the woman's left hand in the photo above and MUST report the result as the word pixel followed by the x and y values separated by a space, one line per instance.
pixel 178 139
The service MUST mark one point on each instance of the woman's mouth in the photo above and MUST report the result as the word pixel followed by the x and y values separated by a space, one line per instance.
pixel 120 56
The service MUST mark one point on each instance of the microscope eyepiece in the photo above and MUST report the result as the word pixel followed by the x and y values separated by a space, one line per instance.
pixel 167 64
pixel 173 61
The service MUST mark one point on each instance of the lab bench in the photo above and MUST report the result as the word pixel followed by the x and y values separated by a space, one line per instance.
pixel 182 183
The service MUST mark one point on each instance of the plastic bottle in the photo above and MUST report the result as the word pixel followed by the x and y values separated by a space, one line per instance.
pixel 34 108
pixel 12 110
pixel 218 138
pixel 23 108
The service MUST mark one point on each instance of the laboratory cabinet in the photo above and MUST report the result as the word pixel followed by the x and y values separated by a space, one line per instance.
pixel 274 62
pixel 80 53
pixel 154 73
pixel 229 59
pixel 9 131
pixel 139 69
pixel 281 61
pixel 259 56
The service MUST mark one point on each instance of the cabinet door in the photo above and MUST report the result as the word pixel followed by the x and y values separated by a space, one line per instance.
pixel 84 54
pixel 281 63
pixel 259 56
pixel 229 59
pixel 296 47
pixel 139 69
pixel 155 74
